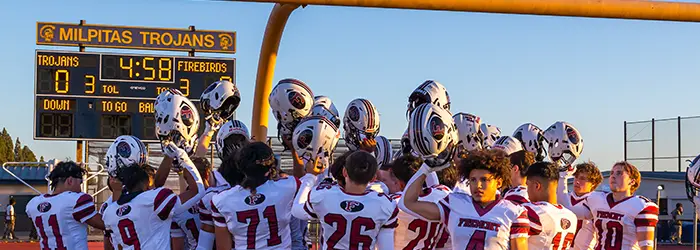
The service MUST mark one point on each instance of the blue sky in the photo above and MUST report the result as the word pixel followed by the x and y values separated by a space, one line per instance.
pixel 508 69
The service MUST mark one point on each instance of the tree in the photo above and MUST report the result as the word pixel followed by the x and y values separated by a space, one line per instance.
pixel 41 159
pixel 27 155
pixel 18 150
pixel 6 153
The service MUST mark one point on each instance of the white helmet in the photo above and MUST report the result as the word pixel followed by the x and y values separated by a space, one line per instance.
pixel 565 143
pixel 315 137
pixel 490 134
pixel 361 121
pixel 291 100
pixel 692 180
pixel 219 101
pixel 433 135
pixel 323 106
pixel 124 151
pixel 508 145
pixel 383 152
pixel 177 120
pixel 469 131
pixel 429 91
pixel 225 143
pixel 532 138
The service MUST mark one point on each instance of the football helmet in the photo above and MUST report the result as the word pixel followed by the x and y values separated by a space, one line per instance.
pixel 429 91
pixel 508 145
pixel 232 136
pixel 323 106
pixel 315 138
pixel 532 138
pixel 565 144
pixel 177 120
pixel 361 121
pixel 124 151
pixel 692 180
pixel 489 135
pixel 291 100
pixel 469 131
pixel 219 101
pixel 433 135
pixel 384 152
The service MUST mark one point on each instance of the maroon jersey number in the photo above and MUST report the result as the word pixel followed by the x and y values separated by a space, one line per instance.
pixel 613 235
pixel 252 215
pixel 192 226
pixel 53 223
pixel 477 241
pixel 567 241
pixel 128 233
pixel 356 236
pixel 422 228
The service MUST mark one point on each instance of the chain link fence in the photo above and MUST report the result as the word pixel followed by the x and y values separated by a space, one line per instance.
pixel 662 144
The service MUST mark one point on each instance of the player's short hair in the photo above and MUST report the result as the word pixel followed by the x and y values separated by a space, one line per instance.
pixel 405 166
pixel 679 205
pixel 591 172
pixel 135 174
pixel 494 161
pixel 361 167
pixel 255 160
pixel 449 176
pixel 336 169
pixel 633 172
pixel 65 169
pixel 13 201
pixel 543 169
pixel 202 164
pixel 523 159
pixel 232 144
pixel 229 170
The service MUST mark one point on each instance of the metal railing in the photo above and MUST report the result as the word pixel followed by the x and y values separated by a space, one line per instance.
pixel 6 164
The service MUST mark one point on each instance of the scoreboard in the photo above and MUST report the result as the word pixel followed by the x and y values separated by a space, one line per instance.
pixel 100 96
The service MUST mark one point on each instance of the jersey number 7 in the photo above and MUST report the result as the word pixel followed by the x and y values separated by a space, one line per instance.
pixel 252 215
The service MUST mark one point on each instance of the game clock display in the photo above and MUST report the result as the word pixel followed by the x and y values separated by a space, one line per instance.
pixel 100 96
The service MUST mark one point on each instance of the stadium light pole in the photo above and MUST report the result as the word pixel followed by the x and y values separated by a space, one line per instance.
pixel 659 188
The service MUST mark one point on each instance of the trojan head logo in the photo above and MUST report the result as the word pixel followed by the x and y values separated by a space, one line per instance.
pixel 123 210
pixel 296 99
pixel 47 32
pixel 351 206
pixel 44 207
pixel 565 224
pixel 187 116
pixel 123 149
pixel 437 128
pixel 304 138
pixel 225 41
pixel 354 113
pixel 254 199
pixel 572 135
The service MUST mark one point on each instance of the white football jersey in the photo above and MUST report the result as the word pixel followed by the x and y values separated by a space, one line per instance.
pixel 112 237
pixel 260 220
pixel 517 195
pixel 186 225
pixel 350 220
pixel 585 237
pixel 144 221
pixel 60 219
pixel 474 227
pixel 552 226
pixel 618 222
pixel 415 233
pixel 204 204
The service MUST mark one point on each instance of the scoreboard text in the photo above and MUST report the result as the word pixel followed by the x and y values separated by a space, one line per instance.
pixel 99 96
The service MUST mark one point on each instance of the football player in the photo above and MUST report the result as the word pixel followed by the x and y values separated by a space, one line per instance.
pixel 520 160
pixel 480 221
pixel 142 215
pixel 622 220
pixel 414 232
pixel 61 218
pixel 352 217
pixel 551 225
pixel 587 177
pixel 256 213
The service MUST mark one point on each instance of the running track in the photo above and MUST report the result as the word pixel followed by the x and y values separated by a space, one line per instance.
pixel 98 246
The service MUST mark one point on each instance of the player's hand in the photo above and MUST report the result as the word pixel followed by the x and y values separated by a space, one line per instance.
pixel 212 125
pixel 369 145
pixel 314 167
pixel 566 171
pixel 177 154
pixel 287 141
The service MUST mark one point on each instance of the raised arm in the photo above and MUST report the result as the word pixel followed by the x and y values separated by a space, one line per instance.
pixel 409 201
pixel 205 139
pixel 191 196
pixel 301 208
pixel 163 171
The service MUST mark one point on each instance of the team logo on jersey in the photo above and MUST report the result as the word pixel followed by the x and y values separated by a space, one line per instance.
pixel 354 113
pixel 44 207
pixel 123 210
pixel 437 128
pixel 186 115
pixel 123 149
pixel 565 224
pixel 351 206
pixel 254 199
pixel 296 99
